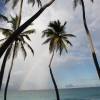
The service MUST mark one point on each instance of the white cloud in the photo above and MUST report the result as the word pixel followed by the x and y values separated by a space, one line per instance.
pixel 34 72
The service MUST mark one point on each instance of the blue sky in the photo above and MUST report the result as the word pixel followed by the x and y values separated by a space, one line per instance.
pixel 1 6
pixel 75 69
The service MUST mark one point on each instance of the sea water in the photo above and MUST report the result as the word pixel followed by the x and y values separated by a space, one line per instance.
pixel 65 94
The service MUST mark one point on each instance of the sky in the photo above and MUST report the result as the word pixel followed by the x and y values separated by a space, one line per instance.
pixel 72 69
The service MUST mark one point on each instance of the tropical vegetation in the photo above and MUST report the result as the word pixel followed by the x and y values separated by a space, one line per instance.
pixel 20 29
pixel 20 43
pixel 15 39
pixel 58 41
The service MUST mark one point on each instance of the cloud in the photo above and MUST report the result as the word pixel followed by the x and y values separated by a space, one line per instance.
pixel 34 73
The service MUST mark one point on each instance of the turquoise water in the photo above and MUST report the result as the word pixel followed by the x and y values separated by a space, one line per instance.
pixel 65 94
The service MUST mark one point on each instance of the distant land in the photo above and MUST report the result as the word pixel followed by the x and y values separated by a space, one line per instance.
pixel 70 86
pixel 81 86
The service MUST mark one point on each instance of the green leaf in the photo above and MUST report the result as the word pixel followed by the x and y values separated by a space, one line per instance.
pixel 75 3
pixel 68 35
pixel 6 32
pixel 47 40
pixel 68 42
pixel 29 32
pixel 23 50
pixel 16 48
pixel 29 47
pixel 27 37
pixel 33 2
pixel 3 17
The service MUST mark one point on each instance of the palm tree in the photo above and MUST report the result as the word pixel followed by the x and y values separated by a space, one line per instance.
pixel 58 41
pixel 88 34
pixel 19 42
pixel 17 22
pixel 2 17
pixel 19 30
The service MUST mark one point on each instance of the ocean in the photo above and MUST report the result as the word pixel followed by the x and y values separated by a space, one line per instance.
pixel 92 93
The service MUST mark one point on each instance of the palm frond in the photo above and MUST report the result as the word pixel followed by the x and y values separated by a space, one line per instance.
pixel 54 25
pixel 4 29
pixel 92 0
pixel 33 2
pixel 8 52
pixel 16 49
pixel 63 27
pixel 15 2
pixel 51 45
pixel 48 33
pixel 14 22
pixel 68 35
pixel 6 32
pixel 27 37
pixel 31 49
pixel 29 32
pixel 11 49
pixel 75 3
pixel 60 46
pixel 3 17
pixel 57 27
pixel 68 42
pixel 64 46
pixel 47 40
pixel 23 50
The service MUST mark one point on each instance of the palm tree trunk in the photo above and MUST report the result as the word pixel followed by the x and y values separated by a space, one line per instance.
pixel 3 66
pixel 90 40
pixel 9 74
pixel 53 79
pixel 7 83
pixel 22 28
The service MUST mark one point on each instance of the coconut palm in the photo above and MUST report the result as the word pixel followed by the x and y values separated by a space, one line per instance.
pixel 2 17
pixel 19 30
pixel 58 41
pixel 19 43
pixel 76 2
pixel 17 24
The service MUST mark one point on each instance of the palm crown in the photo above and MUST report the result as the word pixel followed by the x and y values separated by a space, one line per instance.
pixel 19 42
pixel 57 37
pixel 15 2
